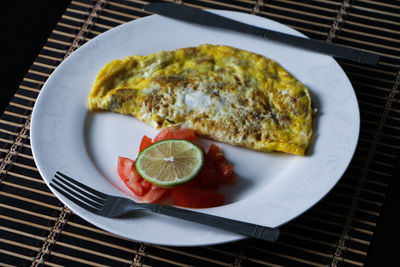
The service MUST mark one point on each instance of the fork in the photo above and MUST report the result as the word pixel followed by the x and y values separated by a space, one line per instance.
pixel 113 206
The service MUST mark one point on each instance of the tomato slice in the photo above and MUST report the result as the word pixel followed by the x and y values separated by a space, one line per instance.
pixel 175 132
pixel 133 182
pixel 128 174
pixel 192 197
pixel 146 185
pixel 214 156
pixel 124 168
pixel 199 193
pixel 146 141
pixel 209 178
pixel 154 194
pixel 225 173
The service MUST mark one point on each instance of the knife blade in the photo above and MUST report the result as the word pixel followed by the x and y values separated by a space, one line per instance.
pixel 199 16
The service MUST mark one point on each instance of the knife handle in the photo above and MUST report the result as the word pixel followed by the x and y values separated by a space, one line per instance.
pixel 196 15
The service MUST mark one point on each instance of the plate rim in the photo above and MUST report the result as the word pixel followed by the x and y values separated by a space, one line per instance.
pixel 233 238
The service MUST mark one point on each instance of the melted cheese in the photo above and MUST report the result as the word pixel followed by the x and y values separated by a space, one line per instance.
pixel 223 93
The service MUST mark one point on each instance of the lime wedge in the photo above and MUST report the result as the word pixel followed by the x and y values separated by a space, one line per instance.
pixel 170 162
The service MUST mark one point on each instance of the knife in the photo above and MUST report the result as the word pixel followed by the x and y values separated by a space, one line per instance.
pixel 195 15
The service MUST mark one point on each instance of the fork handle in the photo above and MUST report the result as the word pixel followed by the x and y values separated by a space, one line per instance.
pixel 247 229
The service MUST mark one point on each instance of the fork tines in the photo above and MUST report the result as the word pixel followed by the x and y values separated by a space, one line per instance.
pixel 78 193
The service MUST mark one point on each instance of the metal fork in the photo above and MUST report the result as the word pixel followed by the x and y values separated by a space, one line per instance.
pixel 113 206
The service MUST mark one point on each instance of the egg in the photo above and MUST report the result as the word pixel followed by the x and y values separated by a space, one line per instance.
pixel 223 93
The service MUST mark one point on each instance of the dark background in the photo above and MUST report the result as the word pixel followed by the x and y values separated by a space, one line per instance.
pixel 27 25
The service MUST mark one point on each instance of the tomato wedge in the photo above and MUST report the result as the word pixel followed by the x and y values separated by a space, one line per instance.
pixel 175 132
pixel 128 174
pixel 192 197
pixel 214 156
pixel 217 161
pixel 154 194
pixel 209 178
pixel 225 173
pixel 124 168
pixel 145 184
pixel 201 192
pixel 146 141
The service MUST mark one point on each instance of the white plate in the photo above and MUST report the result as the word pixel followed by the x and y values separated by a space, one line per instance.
pixel 272 188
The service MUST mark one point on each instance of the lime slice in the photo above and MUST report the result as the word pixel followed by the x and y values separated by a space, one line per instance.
pixel 170 162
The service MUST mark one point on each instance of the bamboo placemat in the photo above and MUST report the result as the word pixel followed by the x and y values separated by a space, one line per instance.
pixel 36 229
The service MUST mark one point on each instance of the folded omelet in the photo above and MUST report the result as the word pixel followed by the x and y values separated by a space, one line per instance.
pixel 223 93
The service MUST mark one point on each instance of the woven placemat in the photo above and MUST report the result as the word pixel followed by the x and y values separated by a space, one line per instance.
pixel 36 229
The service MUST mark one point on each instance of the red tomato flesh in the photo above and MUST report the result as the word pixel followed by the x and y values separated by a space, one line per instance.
pixel 209 178
pixel 175 132
pixel 192 197
pixel 201 192
pixel 225 173
pixel 124 168
pixel 155 194
pixel 215 160
pixel 128 174
pixel 214 155
pixel 146 185
pixel 146 141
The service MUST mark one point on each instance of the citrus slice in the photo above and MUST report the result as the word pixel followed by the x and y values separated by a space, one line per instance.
pixel 170 162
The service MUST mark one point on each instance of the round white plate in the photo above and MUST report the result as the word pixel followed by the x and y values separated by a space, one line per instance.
pixel 272 188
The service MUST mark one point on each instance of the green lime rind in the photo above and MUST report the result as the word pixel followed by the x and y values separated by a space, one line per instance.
pixel 150 156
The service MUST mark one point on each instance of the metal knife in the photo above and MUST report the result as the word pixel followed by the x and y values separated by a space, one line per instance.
pixel 195 15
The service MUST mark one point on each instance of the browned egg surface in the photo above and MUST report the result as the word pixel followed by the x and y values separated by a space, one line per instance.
pixel 223 93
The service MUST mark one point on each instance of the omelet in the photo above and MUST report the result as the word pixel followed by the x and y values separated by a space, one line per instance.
pixel 223 93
